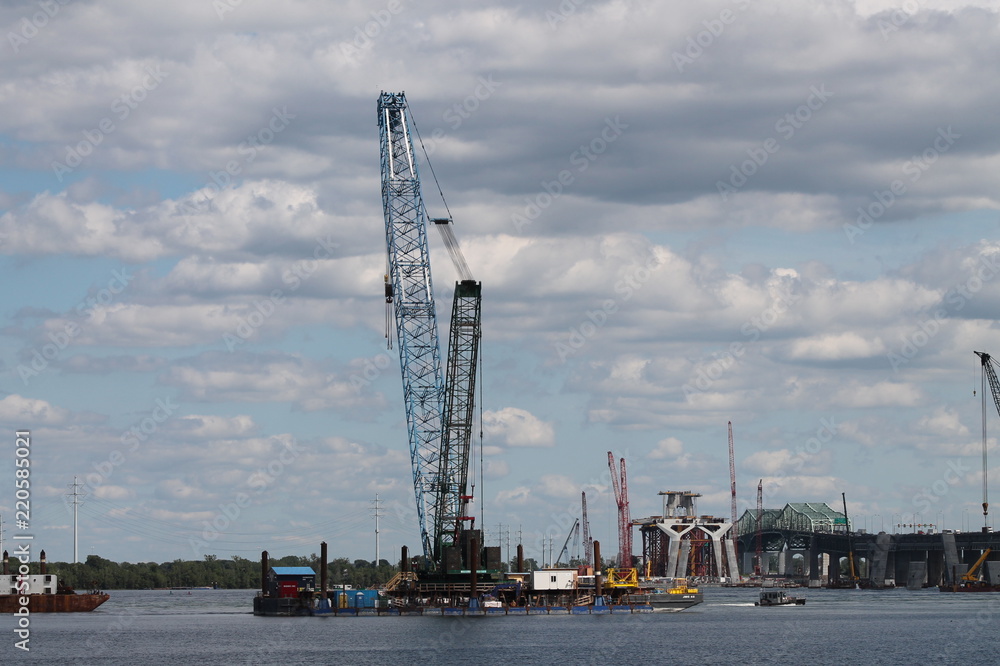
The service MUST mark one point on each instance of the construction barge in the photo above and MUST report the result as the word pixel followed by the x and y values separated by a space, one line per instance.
pixel 42 592
pixel 293 591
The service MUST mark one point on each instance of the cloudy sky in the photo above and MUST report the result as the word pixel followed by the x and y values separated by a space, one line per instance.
pixel 783 215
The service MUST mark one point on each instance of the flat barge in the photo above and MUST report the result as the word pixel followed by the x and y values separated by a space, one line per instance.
pixel 295 591
pixel 274 608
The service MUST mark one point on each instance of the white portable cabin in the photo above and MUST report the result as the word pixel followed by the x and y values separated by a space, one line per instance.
pixel 37 584
pixel 553 579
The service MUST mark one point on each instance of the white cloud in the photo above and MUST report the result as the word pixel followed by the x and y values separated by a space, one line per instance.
pixel 518 428
pixel 668 448
pixel 25 413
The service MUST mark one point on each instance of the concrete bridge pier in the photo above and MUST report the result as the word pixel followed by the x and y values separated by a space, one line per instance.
pixel 797 558
pixel 901 566
pixel 935 567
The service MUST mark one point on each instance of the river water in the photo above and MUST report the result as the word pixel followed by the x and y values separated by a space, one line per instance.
pixel 149 627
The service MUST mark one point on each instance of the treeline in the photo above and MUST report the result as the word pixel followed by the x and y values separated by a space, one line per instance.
pixel 236 573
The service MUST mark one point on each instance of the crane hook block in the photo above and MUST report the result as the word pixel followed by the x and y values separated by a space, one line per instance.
pixel 388 290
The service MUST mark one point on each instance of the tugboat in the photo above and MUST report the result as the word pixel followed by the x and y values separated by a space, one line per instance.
pixel 778 598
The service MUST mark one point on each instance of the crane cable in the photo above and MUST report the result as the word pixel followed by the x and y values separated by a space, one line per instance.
pixel 482 475
pixel 427 158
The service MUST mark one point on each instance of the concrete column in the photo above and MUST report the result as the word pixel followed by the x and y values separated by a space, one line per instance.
pixel 814 567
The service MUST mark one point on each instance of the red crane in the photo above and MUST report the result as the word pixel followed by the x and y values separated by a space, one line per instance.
pixel 588 542
pixel 624 520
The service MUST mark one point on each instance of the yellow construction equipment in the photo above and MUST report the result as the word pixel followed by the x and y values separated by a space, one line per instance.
pixel 622 578
pixel 972 575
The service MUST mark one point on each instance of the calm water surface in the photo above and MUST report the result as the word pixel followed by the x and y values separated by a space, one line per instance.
pixel 216 627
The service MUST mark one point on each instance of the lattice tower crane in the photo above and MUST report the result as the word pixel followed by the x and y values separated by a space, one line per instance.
pixel 989 375
pixel 624 519
pixel 439 409
pixel 588 542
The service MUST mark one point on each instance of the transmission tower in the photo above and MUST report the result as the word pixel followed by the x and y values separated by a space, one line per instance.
pixel 76 502
pixel 376 514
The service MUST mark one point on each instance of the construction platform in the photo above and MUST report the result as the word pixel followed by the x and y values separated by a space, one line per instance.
pixel 292 608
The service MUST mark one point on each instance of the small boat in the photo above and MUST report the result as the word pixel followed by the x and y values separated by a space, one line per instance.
pixel 778 598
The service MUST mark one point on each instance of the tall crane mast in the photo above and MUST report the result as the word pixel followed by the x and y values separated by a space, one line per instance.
pixel 732 490
pixel 588 542
pixel 459 410
pixel 624 518
pixel 732 475
pixel 759 569
pixel 989 375
pixel 438 409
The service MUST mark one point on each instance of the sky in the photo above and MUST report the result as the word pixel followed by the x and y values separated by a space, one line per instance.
pixel 780 215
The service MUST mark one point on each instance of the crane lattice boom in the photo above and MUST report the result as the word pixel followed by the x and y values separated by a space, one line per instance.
pixel 732 476
pixel 413 299
pixel 439 409
pixel 989 375
pixel 456 442
pixel 624 518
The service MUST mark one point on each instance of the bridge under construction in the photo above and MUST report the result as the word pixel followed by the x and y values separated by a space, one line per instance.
pixel 881 560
